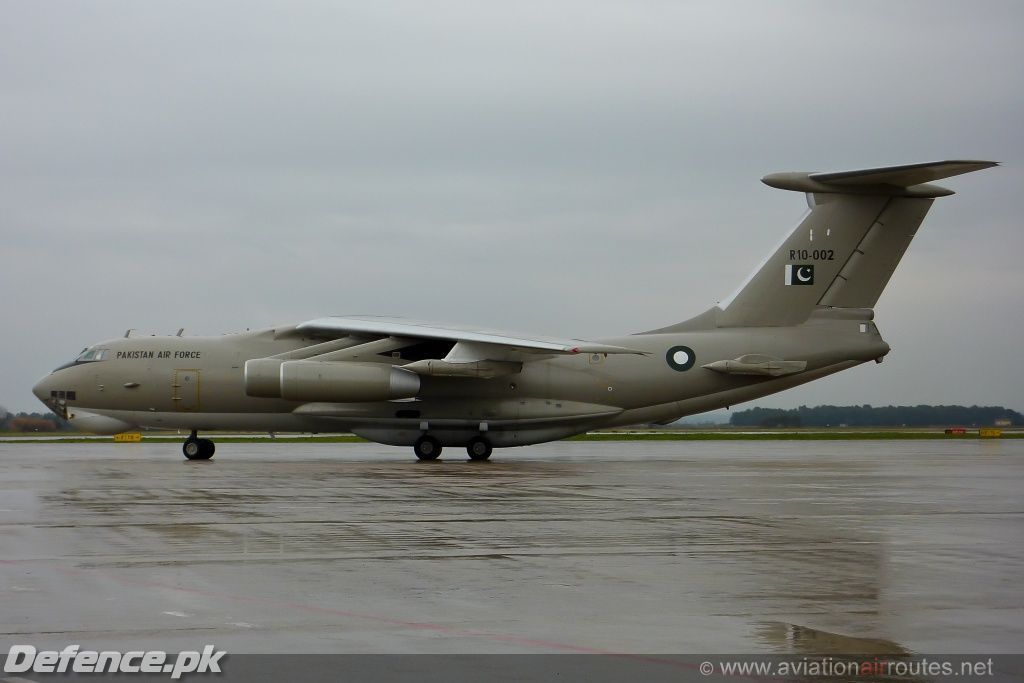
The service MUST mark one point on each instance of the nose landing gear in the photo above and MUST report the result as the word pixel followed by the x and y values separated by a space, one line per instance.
pixel 195 448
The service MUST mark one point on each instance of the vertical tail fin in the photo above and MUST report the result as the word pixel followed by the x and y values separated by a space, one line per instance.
pixel 846 248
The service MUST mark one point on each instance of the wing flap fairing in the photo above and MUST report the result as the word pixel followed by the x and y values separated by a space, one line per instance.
pixel 758 366
pixel 480 369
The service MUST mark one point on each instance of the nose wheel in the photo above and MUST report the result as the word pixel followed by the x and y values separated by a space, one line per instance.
pixel 479 448
pixel 198 449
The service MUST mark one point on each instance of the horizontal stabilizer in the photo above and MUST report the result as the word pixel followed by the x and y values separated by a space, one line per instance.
pixel 908 180
pixel 903 176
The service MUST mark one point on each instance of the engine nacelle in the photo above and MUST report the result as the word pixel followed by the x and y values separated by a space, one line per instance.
pixel 335 382
pixel 263 377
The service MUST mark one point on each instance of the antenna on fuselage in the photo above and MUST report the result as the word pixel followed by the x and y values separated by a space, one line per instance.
pixel 180 330
pixel 128 332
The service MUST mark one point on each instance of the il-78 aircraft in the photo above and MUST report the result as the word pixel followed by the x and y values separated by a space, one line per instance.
pixel 806 312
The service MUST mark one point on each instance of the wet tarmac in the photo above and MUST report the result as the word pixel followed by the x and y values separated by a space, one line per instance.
pixel 644 547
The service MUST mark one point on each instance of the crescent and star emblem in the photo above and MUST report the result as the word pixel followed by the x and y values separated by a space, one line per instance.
pixel 800 274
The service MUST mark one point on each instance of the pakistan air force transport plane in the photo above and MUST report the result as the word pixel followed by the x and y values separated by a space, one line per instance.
pixel 805 312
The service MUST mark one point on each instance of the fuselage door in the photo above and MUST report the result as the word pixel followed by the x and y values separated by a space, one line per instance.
pixel 185 390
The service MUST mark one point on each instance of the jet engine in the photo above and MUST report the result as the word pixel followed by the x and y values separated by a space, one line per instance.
pixel 335 382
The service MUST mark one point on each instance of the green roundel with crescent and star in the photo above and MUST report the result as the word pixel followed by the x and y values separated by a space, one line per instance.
pixel 680 358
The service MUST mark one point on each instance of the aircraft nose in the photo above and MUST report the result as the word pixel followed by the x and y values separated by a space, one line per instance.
pixel 42 388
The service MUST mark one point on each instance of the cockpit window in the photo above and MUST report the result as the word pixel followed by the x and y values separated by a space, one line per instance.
pixel 91 355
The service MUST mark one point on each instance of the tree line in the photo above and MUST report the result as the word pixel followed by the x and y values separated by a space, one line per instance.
pixel 32 422
pixel 878 416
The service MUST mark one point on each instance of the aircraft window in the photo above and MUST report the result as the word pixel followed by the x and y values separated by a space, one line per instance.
pixel 91 355
pixel 71 396
pixel 60 394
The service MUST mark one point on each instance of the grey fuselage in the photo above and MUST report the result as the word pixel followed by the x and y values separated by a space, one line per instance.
pixel 198 383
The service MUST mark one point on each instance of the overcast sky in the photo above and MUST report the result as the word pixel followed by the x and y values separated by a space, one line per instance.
pixel 570 168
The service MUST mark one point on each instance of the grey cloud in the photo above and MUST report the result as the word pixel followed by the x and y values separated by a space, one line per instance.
pixel 568 167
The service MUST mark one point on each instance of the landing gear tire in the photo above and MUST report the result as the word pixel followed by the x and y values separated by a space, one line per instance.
pixel 198 449
pixel 479 448
pixel 427 448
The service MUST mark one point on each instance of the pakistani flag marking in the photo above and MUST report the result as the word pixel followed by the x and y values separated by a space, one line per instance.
pixel 799 274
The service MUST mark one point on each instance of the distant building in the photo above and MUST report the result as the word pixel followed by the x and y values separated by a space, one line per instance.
pixel 1003 422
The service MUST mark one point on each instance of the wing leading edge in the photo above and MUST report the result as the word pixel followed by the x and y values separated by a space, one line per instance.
pixel 413 329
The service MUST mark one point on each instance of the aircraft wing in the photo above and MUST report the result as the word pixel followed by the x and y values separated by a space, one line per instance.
pixel 381 326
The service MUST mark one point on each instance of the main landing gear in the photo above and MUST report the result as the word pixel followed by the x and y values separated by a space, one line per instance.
pixel 195 448
pixel 429 448
pixel 479 448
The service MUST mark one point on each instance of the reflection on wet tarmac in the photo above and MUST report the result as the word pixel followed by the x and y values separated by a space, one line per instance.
pixel 784 547
pixel 801 640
